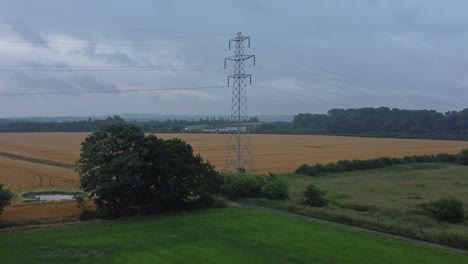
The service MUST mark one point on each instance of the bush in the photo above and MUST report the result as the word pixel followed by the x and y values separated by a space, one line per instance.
pixel 333 168
pixel 346 165
pixel 276 188
pixel 304 169
pixel 5 197
pixel 315 197
pixel 88 214
pixel 444 157
pixel 310 170
pixel 242 186
pixel 448 209
pixel 463 157
pixel 409 159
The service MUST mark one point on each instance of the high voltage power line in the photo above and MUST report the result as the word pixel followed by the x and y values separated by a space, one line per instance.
pixel 319 68
pixel 109 66
pixel 114 28
pixel 344 89
pixel 108 44
pixel 303 99
pixel 362 86
pixel 359 87
pixel 169 48
pixel 110 70
pixel 112 91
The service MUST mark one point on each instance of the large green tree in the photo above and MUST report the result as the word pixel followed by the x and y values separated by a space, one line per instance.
pixel 124 170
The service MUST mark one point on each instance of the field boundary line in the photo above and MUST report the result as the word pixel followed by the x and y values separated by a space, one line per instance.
pixel 371 231
pixel 14 156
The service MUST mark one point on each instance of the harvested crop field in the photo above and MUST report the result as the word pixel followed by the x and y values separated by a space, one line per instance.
pixel 21 175
pixel 272 153
pixel 38 211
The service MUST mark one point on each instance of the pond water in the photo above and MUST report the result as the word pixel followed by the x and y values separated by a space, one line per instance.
pixel 48 196
pixel 54 197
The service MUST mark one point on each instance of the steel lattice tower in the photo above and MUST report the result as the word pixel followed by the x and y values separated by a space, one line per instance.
pixel 239 148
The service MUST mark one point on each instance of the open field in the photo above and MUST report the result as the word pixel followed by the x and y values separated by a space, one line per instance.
pixel 272 153
pixel 401 187
pixel 391 197
pixel 40 211
pixel 231 235
pixel 22 175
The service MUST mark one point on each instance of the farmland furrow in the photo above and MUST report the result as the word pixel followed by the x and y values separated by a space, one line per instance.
pixel 35 160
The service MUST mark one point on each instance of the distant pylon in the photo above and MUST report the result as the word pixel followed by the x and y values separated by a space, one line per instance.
pixel 239 148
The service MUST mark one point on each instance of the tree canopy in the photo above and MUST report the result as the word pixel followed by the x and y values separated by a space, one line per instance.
pixel 128 171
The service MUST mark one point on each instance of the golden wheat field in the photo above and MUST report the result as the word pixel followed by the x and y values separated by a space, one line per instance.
pixel 21 175
pixel 272 153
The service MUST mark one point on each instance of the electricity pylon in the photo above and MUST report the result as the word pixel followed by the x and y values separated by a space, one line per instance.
pixel 239 148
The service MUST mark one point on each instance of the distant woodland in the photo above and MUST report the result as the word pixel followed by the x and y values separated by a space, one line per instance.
pixel 91 125
pixel 380 121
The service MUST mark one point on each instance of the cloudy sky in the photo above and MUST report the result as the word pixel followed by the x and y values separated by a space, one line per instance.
pixel 311 55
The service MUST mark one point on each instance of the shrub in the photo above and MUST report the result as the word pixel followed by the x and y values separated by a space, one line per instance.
pixel 314 196
pixel 448 209
pixel 5 197
pixel 276 188
pixel 444 157
pixel 463 157
pixel 424 158
pixel 242 186
pixel 333 168
pixel 304 169
pixel 88 214
pixel 398 161
pixel 409 159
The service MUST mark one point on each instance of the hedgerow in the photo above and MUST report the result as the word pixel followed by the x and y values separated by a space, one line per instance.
pixel 354 165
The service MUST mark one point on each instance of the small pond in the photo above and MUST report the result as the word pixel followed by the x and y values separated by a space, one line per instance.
pixel 54 197
pixel 51 196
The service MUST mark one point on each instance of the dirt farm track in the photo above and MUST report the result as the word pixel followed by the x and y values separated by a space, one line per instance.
pixel 272 153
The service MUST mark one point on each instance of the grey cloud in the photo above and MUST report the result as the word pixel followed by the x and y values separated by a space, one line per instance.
pixel 24 83
pixel 117 57
pixel 412 47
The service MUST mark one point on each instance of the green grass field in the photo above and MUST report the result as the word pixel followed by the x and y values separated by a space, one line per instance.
pixel 392 198
pixel 232 235
pixel 401 187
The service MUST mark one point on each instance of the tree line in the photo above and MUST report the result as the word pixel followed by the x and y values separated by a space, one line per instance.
pixel 380 121
pixel 92 125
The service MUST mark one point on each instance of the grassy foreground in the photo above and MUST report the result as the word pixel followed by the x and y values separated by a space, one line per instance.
pixel 231 235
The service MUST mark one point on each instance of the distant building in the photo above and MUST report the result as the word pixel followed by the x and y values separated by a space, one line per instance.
pixel 226 130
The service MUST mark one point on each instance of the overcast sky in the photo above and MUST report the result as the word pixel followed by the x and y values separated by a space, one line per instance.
pixel 311 55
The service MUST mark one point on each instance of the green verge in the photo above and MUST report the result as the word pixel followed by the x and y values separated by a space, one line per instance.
pixel 233 235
